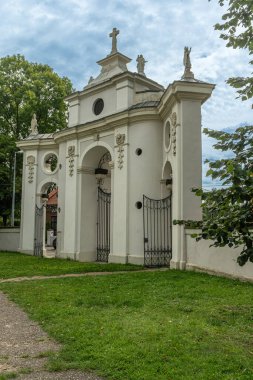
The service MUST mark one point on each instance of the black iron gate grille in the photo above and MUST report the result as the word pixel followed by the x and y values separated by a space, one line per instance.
pixel 157 231
pixel 103 225
pixel 38 233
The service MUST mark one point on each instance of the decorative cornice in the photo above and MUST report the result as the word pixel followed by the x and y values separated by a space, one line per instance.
pixel 183 90
pixel 111 82
pixel 107 123
pixel 35 144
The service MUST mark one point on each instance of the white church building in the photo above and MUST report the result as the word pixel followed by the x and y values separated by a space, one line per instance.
pixel 124 167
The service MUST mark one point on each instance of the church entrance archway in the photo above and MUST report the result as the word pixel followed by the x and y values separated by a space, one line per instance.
pixel 95 232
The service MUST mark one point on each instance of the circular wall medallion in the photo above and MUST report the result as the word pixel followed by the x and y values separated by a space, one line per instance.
pixel 98 106
pixel 50 163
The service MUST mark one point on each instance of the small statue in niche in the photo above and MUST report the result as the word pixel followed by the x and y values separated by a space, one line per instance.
pixel 141 64
pixel 34 125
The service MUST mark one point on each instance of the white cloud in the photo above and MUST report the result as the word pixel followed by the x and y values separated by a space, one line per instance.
pixel 71 35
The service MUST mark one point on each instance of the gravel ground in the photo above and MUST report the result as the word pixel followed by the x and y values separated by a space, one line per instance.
pixel 22 345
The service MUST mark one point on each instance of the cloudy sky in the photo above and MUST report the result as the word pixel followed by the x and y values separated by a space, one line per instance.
pixel 71 35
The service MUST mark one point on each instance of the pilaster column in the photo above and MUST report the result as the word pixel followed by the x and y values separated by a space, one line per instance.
pixel 119 248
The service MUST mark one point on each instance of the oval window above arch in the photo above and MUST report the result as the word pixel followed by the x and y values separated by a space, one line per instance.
pixel 98 106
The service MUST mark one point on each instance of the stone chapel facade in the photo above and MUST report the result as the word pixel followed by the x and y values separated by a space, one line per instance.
pixel 125 167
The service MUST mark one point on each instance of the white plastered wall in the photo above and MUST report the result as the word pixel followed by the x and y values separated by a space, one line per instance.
pixel 91 153
pixel 33 184
pixel 218 260
pixel 185 156
pixel 70 202
pixel 61 198
pixel 28 204
pixel 172 156
pixel 119 241
pixel 144 179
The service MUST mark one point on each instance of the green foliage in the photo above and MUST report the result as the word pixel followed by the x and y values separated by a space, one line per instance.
pixel 237 30
pixel 7 149
pixel 228 212
pixel 150 325
pixel 228 218
pixel 26 88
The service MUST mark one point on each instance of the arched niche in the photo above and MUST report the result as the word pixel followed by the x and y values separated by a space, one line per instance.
pixel 95 160
pixel 167 179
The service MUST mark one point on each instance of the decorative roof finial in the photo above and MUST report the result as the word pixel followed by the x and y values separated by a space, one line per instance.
pixel 34 125
pixel 188 74
pixel 141 64
pixel 114 34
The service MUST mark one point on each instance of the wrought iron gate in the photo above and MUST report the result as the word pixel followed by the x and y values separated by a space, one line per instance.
pixel 103 225
pixel 38 234
pixel 157 227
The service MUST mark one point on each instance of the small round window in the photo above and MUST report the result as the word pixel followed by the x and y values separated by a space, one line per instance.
pixel 138 205
pixel 98 106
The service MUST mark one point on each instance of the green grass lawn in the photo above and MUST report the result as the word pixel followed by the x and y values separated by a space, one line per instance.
pixel 13 264
pixel 146 326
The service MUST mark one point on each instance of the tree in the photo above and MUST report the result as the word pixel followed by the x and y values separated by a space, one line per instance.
pixel 7 149
pixel 26 88
pixel 228 211
pixel 237 30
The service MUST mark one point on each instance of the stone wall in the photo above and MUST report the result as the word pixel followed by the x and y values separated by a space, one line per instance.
pixel 9 239
pixel 200 256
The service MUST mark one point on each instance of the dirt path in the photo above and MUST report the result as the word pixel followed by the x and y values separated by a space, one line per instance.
pixel 34 278
pixel 23 347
